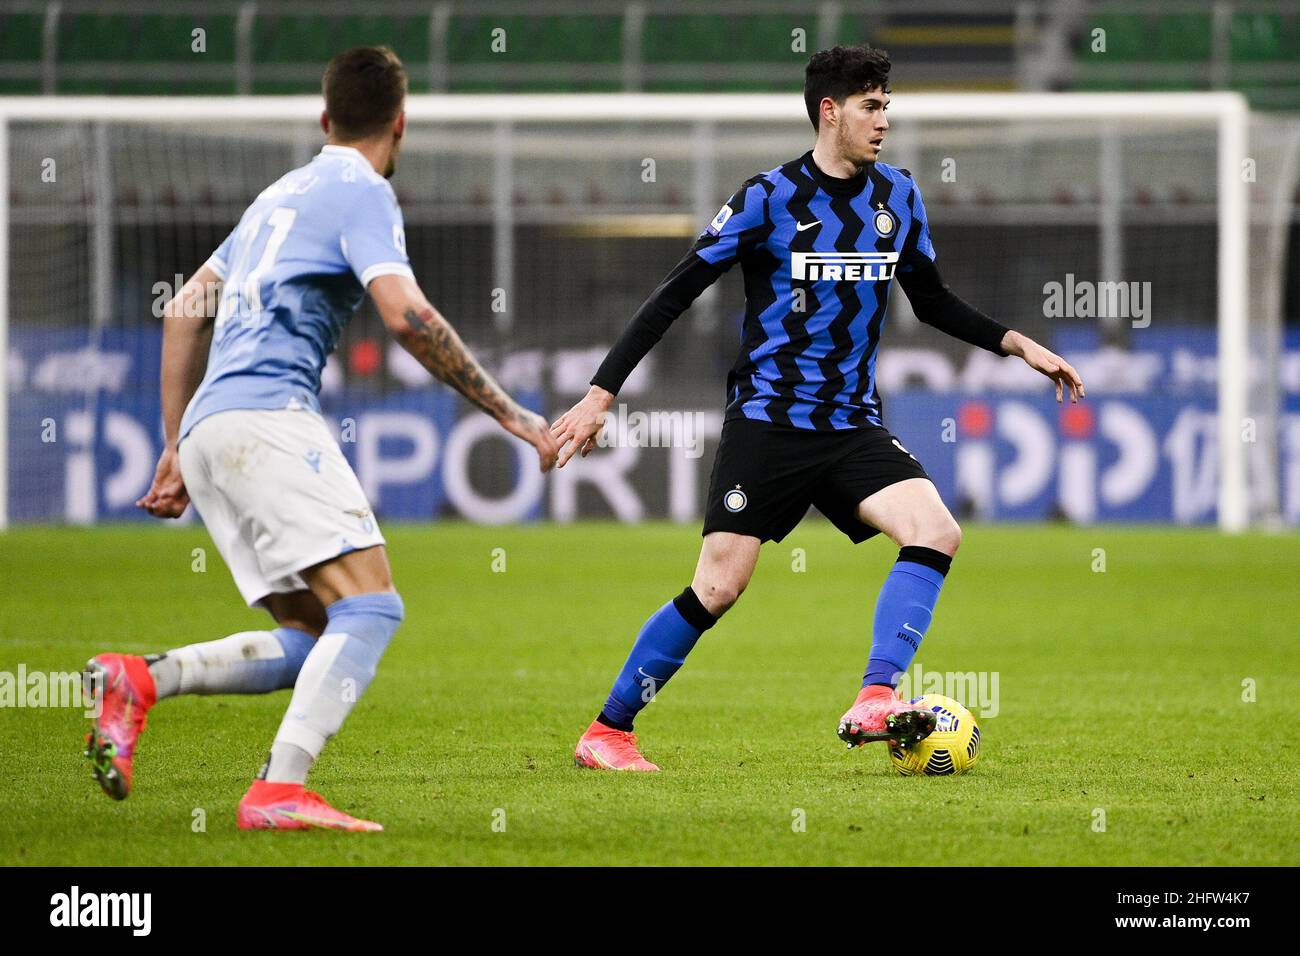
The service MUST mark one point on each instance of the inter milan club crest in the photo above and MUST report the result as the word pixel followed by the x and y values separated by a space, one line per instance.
pixel 735 500
pixel 884 221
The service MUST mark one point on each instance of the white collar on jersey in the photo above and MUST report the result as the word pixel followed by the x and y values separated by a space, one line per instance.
pixel 351 151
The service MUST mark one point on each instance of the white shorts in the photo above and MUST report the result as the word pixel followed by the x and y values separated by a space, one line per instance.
pixel 276 494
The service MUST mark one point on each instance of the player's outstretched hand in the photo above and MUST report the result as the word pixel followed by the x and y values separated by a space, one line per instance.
pixel 166 497
pixel 531 427
pixel 576 429
pixel 1049 363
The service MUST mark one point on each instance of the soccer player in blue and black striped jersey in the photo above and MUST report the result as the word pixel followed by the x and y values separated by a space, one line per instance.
pixel 819 240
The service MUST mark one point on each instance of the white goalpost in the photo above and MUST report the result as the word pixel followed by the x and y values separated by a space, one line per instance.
pixel 530 143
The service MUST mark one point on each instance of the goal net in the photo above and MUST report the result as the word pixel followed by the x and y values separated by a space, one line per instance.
pixel 1144 237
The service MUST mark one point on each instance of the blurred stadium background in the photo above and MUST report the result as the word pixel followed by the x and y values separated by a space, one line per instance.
pixel 539 237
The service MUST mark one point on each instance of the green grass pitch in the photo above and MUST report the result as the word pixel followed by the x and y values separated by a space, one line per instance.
pixel 1119 691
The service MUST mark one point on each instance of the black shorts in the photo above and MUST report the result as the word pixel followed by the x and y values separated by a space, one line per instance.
pixel 765 476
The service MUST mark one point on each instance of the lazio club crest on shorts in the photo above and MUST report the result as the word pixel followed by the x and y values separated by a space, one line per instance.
pixel 363 514
pixel 735 500
pixel 885 222
pixel 719 220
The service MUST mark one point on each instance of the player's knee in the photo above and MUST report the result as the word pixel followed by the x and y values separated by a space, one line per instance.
pixel 938 531
pixel 393 608
pixel 300 610
pixel 718 596
pixel 946 536
pixel 399 606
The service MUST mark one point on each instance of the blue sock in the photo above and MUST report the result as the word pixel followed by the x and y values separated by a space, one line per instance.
pixel 297 645
pixel 903 611
pixel 659 651
pixel 332 678
pixel 365 623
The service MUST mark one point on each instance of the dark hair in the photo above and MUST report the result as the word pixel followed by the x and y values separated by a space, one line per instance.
pixel 364 88
pixel 840 72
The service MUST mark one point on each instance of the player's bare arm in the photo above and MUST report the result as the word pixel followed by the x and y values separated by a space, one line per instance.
pixel 187 334
pixel 420 329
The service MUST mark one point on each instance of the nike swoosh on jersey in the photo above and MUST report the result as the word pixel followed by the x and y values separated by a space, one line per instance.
pixel 801 226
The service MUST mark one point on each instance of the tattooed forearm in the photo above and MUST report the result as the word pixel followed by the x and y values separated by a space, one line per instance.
pixel 439 349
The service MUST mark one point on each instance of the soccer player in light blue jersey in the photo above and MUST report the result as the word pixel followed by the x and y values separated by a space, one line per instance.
pixel 248 446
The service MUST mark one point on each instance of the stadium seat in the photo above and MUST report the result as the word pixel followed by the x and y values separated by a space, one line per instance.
pixel 160 44
pixel 536 39
pixel 1126 38
pixel 20 43
pixel 1183 37
pixel 20 37
pixel 101 50
pixel 292 38
pixel 1266 40
pixel 759 46
pixel 1290 30
pixel 289 49
pixel 709 38
pixel 1256 37
pixel 151 38
pixel 564 40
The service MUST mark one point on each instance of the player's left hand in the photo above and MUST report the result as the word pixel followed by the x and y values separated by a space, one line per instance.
pixel 577 429
pixel 1049 363
pixel 166 497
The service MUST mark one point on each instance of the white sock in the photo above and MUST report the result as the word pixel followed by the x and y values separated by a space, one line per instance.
pixel 250 662
pixel 291 762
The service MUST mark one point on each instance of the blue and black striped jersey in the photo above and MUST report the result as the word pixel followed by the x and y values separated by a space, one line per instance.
pixel 818 254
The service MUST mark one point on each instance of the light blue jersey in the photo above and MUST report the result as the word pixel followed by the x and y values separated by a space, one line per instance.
pixel 294 270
